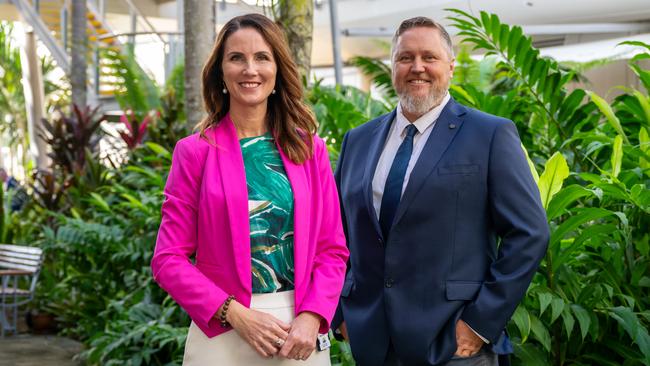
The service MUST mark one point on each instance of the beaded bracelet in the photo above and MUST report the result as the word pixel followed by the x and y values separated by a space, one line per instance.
pixel 224 310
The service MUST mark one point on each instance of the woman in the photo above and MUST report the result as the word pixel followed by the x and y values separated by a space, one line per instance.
pixel 252 196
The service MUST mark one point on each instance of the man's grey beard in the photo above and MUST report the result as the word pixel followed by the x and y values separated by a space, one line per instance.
pixel 421 105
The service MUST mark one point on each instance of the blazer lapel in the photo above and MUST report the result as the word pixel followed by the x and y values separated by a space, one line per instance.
pixel 377 141
pixel 301 214
pixel 443 133
pixel 233 178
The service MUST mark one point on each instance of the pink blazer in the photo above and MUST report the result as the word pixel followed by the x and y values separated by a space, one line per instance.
pixel 205 213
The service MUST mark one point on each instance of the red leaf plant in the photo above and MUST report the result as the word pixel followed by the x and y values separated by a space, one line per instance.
pixel 135 130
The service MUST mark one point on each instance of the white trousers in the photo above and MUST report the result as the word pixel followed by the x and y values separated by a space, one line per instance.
pixel 229 349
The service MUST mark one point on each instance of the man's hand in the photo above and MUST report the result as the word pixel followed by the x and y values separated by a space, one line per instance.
pixel 301 341
pixel 467 342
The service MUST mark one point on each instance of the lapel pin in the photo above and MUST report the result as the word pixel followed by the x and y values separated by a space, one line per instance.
pixel 452 126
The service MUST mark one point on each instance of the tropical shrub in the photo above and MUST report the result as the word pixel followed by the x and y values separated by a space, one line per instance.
pixel 589 302
pixel 105 295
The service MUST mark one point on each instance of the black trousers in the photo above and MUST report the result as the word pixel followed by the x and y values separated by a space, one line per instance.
pixel 484 357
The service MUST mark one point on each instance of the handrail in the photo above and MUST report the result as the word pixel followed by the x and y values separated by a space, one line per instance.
pixel 115 35
pixel 139 13
pixel 59 54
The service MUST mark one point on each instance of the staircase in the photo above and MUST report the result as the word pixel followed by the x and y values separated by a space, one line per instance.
pixel 52 22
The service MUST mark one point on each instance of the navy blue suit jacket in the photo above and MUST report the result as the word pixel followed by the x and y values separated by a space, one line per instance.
pixel 467 238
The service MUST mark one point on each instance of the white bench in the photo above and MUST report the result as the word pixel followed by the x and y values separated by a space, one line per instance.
pixel 19 269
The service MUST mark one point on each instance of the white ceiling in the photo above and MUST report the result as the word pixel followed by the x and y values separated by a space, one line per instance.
pixel 371 15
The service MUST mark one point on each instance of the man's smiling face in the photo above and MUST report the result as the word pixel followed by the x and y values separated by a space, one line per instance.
pixel 422 70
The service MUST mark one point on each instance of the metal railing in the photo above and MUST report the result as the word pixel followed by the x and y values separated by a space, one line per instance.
pixel 28 11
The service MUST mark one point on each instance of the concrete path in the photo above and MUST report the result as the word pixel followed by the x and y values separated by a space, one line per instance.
pixel 38 350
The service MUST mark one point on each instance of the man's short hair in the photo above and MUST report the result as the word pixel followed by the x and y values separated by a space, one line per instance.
pixel 427 23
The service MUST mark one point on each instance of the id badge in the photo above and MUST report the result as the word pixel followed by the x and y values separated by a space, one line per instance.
pixel 323 342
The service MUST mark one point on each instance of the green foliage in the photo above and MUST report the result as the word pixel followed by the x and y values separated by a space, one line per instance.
pixel 380 74
pixel 133 88
pixel 588 303
pixel 339 109
pixel 104 293
pixel 12 98
pixel 340 353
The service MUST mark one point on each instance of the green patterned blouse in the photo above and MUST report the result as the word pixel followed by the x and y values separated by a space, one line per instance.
pixel 270 211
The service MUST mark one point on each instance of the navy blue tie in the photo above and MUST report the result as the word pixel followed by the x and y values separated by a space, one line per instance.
pixel 395 181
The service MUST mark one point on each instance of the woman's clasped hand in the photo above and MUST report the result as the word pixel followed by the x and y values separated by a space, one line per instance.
pixel 269 336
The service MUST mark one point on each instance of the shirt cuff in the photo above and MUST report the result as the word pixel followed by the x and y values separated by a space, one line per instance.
pixel 480 336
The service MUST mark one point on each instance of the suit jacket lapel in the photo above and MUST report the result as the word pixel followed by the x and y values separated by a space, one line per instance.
pixel 301 214
pixel 446 127
pixel 233 178
pixel 377 141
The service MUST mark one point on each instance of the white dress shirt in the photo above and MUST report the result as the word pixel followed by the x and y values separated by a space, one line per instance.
pixel 396 135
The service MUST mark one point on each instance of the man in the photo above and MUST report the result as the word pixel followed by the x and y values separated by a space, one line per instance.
pixel 442 216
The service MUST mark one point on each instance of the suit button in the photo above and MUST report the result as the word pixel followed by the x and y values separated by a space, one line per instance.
pixel 389 282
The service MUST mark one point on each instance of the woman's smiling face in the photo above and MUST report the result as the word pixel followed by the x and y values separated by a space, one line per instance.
pixel 249 68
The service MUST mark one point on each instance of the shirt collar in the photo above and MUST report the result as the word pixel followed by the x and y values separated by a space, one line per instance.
pixel 425 121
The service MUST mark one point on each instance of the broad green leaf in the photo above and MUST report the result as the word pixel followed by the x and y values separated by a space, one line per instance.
pixel 584 215
pixel 592 232
pixel 551 87
pixel 644 282
pixel 644 145
pixel 643 75
pixel 544 301
pixel 640 195
pixel 644 101
pixel 530 355
pixel 159 150
pixel 540 332
pixel 556 171
pixel 504 37
pixel 495 30
pixel 134 201
pixel 525 48
pixel 636 43
pixel 571 103
pixel 617 155
pixel 583 319
pixel 522 321
pixel 634 328
pixel 515 37
pixel 485 18
pixel 564 198
pixel 607 110
pixel 569 322
pixel 99 201
pixel 557 306
pixel 531 165
pixel 458 89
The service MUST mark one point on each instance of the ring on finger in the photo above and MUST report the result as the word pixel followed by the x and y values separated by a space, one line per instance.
pixel 279 342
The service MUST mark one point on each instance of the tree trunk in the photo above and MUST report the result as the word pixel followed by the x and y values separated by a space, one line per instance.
pixel 199 24
pixel 34 100
pixel 79 50
pixel 296 17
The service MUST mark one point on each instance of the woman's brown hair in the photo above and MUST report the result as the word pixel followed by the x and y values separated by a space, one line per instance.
pixel 290 120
